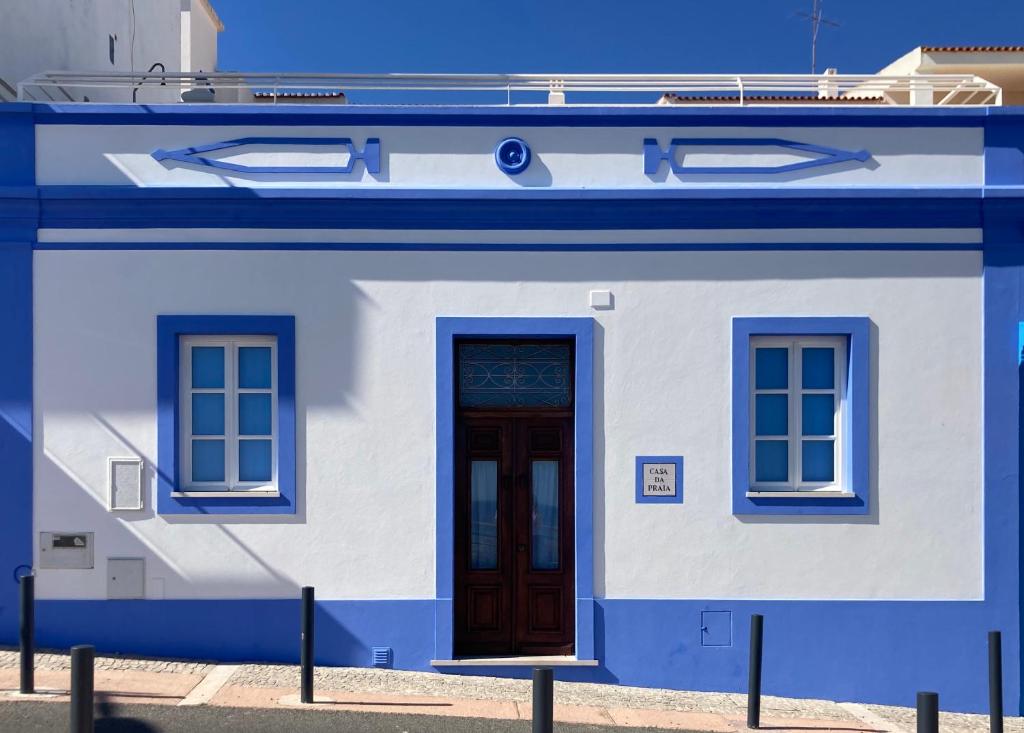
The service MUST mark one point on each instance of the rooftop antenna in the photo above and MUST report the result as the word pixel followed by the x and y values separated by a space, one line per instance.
pixel 817 19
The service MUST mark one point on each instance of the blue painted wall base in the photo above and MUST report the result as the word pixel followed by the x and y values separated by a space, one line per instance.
pixel 880 652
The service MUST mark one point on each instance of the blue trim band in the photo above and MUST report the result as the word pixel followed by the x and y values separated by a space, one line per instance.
pixel 871 651
pixel 19 217
pixel 1004 418
pixel 507 247
pixel 117 207
pixel 856 463
pixel 169 329
pixel 582 331
pixel 767 191
pixel 15 427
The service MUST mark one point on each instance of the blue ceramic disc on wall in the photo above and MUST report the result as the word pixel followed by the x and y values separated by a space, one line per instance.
pixel 512 155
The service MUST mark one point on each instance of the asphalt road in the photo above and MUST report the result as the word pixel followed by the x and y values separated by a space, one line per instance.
pixel 27 717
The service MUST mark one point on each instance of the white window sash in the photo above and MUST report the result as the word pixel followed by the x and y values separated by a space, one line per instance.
pixel 232 485
pixel 795 393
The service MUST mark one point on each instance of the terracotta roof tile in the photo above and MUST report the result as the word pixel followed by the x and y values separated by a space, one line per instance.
pixel 300 95
pixel 673 98
pixel 973 49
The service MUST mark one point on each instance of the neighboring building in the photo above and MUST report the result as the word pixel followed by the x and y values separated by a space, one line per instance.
pixel 588 383
pixel 176 36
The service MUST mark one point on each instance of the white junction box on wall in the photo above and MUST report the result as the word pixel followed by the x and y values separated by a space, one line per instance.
pixel 126 577
pixel 66 550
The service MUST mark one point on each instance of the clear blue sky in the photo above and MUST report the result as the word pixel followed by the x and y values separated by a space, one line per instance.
pixel 682 36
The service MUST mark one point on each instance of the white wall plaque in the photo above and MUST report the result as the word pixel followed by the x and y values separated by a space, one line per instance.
pixel 659 479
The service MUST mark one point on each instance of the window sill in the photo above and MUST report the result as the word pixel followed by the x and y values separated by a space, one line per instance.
pixel 225 494
pixel 800 495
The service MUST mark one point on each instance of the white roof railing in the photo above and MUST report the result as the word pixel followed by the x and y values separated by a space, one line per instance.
pixel 509 89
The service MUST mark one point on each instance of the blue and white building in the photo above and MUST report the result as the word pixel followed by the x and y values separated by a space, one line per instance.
pixel 527 379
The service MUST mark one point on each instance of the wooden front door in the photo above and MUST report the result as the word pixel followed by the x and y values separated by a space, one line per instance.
pixel 514 561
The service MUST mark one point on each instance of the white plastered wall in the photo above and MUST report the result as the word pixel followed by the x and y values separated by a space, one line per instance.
pixel 365 408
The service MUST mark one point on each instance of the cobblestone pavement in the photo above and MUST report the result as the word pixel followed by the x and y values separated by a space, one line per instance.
pixel 906 719
pixel 59 661
pixel 394 682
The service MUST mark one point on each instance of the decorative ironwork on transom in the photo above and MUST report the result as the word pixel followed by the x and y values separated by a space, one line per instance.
pixel 515 375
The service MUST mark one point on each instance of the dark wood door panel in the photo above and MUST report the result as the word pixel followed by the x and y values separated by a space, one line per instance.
pixel 514 541
pixel 484 562
pixel 485 610
pixel 545 609
pixel 545 577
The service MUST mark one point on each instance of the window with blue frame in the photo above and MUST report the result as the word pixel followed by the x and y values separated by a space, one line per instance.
pixel 801 415
pixel 226 414
pixel 796 395
pixel 228 406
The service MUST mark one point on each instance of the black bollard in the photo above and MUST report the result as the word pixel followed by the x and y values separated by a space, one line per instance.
pixel 927 712
pixel 995 682
pixel 306 653
pixel 82 658
pixel 27 635
pixel 754 678
pixel 543 700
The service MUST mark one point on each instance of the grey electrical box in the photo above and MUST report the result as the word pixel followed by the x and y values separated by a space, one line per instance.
pixel 126 577
pixel 66 550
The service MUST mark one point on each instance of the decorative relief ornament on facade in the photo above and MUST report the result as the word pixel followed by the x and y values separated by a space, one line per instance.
pixel 512 155
pixel 370 154
pixel 654 155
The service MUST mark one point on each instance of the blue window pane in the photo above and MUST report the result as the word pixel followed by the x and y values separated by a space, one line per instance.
pixel 771 460
pixel 771 414
pixel 254 414
pixel 545 515
pixel 207 460
pixel 207 413
pixel 254 460
pixel 254 367
pixel 818 414
pixel 208 367
pixel 771 368
pixel 819 368
pixel 818 460
pixel 483 489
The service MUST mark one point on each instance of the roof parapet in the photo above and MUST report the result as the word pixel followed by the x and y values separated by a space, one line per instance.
pixel 516 89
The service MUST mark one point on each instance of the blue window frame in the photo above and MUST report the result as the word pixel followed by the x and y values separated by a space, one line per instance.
pixel 800 415
pixel 226 414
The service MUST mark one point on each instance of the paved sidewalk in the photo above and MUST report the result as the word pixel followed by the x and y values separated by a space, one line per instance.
pixel 275 687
